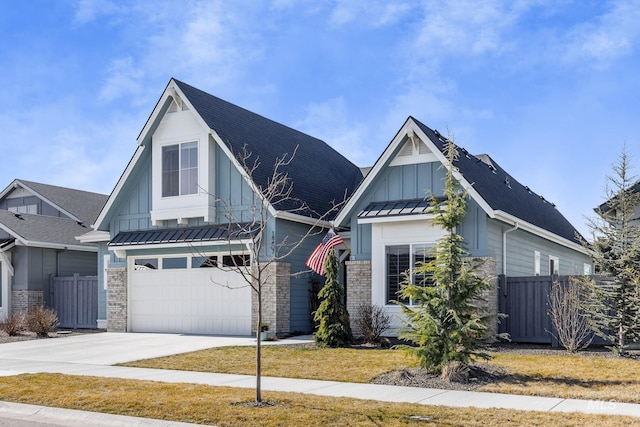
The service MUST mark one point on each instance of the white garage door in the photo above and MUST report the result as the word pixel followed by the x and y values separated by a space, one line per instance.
pixel 166 298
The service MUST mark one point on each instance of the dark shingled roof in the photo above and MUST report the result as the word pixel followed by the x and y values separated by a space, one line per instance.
pixel 319 174
pixel 504 193
pixel 43 229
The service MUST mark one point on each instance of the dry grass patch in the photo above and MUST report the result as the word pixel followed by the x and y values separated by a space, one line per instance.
pixel 219 405
pixel 339 364
pixel 569 376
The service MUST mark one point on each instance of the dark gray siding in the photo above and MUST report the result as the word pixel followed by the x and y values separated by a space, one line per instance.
pixel 300 316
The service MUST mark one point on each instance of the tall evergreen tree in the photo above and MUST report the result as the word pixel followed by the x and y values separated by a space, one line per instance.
pixel 447 321
pixel 334 329
pixel 614 305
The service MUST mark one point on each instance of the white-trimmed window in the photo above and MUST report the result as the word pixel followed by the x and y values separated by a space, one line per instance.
pixel 536 263
pixel 400 261
pixel 180 169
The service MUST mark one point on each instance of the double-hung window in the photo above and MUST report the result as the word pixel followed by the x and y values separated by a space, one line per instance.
pixel 400 262
pixel 180 169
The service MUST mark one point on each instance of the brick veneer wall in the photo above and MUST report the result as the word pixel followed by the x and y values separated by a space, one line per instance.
pixel 23 300
pixel 358 289
pixel 276 300
pixel 117 300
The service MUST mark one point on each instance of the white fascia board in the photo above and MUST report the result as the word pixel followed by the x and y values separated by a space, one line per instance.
pixel 95 236
pixel 116 191
pixel 512 220
pixel 243 172
pixel 302 219
pixel 397 218
pixel 124 248
pixel 62 246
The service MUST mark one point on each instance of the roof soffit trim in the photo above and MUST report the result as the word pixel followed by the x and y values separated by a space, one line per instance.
pixel 94 236
pixel 540 232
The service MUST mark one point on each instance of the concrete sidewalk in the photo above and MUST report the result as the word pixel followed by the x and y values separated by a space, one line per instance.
pixel 24 357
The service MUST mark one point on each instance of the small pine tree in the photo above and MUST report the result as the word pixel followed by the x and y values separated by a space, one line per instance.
pixel 447 322
pixel 614 305
pixel 332 315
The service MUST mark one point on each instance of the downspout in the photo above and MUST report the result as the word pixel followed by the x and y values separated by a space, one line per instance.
pixel 504 248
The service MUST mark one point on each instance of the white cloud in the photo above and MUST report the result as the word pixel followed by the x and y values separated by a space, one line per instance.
pixel 369 13
pixel 608 37
pixel 124 79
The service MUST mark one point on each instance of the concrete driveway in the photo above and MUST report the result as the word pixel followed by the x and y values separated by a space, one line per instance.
pixel 108 348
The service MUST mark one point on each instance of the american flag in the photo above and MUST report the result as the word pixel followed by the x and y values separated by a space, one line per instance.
pixel 316 259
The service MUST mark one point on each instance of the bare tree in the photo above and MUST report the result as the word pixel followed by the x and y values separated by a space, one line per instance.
pixel 251 227
pixel 565 302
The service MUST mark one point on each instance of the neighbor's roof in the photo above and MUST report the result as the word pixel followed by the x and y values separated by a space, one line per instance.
pixel 319 173
pixel 502 192
pixel 40 230
pixel 83 205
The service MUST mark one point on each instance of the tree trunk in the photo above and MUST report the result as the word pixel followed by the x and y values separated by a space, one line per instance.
pixel 259 350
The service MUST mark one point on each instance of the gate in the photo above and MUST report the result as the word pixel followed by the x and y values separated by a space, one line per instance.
pixel 75 300
pixel 524 301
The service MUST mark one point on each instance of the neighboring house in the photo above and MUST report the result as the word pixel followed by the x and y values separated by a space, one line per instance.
pixel 609 208
pixel 167 221
pixel 38 228
pixel 516 231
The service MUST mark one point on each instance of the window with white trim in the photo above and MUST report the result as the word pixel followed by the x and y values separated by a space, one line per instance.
pixel 536 263
pixel 180 169
pixel 400 262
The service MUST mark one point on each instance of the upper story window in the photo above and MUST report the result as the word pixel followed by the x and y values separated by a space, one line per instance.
pixel 28 209
pixel 180 169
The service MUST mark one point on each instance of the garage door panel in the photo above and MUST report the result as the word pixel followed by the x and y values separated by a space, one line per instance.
pixel 204 301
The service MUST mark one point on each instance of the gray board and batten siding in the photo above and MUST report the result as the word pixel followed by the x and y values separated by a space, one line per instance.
pixel 415 181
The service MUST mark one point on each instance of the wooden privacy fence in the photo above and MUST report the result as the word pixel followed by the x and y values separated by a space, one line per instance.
pixel 525 302
pixel 75 300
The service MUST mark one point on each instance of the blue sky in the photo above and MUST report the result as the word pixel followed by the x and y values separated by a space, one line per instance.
pixel 549 89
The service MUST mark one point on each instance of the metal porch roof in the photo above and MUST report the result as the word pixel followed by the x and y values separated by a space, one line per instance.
pixel 185 234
